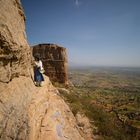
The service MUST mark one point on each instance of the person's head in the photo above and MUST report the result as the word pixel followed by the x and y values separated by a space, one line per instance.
pixel 37 58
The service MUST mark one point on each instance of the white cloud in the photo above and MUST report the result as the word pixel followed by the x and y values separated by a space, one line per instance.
pixel 77 3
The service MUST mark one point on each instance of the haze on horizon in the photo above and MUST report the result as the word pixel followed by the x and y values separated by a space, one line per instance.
pixel 95 32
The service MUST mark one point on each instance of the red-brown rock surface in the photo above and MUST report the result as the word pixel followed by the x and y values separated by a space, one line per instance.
pixel 54 60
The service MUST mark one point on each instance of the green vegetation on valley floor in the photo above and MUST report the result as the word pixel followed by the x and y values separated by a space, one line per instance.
pixel 110 98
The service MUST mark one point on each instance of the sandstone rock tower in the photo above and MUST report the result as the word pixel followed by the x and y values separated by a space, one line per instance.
pixel 54 59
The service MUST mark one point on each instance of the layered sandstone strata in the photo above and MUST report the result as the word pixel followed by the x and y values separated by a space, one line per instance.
pixel 54 59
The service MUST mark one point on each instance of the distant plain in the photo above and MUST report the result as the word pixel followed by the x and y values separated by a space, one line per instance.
pixel 109 97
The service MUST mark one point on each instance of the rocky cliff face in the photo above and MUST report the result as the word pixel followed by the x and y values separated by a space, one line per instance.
pixel 27 112
pixel 14 49
pixel 54 60
pixel 15 98
pixel 31 113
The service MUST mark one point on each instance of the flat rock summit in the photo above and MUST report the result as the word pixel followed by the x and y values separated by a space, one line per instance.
pixel 28 112
pixel 54 60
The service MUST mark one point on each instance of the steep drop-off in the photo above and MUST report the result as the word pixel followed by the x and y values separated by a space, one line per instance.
pixel 27 112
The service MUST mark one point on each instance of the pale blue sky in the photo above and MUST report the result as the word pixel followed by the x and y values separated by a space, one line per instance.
pixel 95 32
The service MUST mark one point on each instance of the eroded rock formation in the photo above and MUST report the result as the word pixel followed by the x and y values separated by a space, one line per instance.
pixel 27 112
pixel 14 50
pixel 54 60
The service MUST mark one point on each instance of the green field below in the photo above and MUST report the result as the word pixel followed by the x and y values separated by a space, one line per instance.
pixel 109 98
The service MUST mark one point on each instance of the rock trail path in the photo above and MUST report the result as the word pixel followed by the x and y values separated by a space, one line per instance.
pixel 49 116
